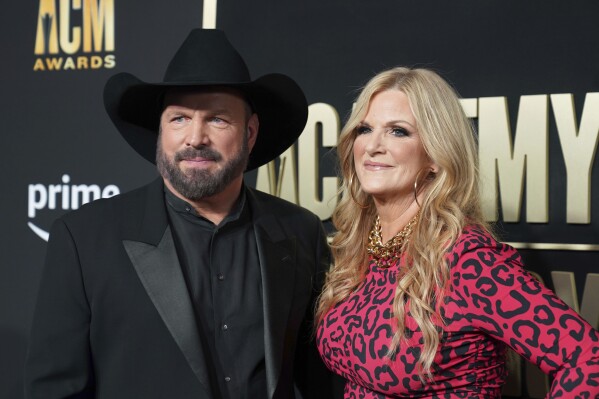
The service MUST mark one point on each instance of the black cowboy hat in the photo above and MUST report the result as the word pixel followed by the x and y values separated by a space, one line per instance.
pixel 207 58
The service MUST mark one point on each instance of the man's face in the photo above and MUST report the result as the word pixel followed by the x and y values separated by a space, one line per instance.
pixel 205 141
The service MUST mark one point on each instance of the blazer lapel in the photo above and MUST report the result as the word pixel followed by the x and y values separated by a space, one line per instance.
pixel 155 260
pixel 277 256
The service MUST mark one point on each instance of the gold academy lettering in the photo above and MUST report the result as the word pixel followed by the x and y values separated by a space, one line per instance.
pixel 75 35
pixel 507 166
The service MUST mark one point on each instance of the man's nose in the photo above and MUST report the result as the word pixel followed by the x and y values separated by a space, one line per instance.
pixel 197 135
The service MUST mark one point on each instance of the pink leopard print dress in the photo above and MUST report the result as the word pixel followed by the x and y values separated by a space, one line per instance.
pixel 491 302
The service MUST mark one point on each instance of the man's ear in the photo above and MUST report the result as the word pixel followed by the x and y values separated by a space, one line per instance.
pixel 252 130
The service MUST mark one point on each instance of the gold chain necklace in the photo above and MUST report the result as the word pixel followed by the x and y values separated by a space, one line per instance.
pixel 387 254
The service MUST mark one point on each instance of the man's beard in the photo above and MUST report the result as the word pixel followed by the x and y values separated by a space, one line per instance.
pixel 195 184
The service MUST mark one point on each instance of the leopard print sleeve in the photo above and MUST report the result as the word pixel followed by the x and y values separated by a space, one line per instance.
pixel 490 291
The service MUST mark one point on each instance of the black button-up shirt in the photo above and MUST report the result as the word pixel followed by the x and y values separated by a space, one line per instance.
pixel 222 271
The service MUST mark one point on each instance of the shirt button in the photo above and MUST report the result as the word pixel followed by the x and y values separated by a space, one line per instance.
pixel 220 276
pixel 225 327
pixel 227 379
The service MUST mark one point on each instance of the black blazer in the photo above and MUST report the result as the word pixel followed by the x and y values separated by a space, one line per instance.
pixel 114 318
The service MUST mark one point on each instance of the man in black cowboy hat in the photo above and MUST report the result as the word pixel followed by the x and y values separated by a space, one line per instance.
pixel 193 286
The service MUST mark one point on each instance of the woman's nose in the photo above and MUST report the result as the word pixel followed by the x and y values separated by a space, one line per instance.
pixel 374 142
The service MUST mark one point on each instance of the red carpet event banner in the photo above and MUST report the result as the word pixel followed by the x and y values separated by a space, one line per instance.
pixel 527 72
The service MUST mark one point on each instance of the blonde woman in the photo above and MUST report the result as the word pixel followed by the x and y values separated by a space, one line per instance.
pixel 422 301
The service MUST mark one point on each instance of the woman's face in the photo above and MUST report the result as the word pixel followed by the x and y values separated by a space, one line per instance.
pixel 388 151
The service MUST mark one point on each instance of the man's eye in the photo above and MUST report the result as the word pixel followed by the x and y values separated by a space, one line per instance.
pixel 178 119
pixel 362 129
pixel 216 119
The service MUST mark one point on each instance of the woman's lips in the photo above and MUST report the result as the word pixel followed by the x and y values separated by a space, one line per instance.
pixel 369 165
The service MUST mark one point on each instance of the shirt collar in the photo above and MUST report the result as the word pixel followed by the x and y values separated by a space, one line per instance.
pixel 185 209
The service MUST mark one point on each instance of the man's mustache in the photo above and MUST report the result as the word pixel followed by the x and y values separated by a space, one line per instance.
pixel 203 152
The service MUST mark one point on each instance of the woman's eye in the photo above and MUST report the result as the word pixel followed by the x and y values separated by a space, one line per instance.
pixel 399 132
pixel 362 129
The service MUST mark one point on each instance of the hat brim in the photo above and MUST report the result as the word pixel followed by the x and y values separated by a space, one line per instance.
pixel 135 106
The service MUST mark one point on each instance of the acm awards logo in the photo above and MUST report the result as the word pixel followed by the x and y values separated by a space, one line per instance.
pixel 74 35
pixel 63 196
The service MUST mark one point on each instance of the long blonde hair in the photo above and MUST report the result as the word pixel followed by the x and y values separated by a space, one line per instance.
pixel 450 201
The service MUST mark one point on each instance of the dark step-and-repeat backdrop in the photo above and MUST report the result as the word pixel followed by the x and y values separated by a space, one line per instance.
pixel 528 72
